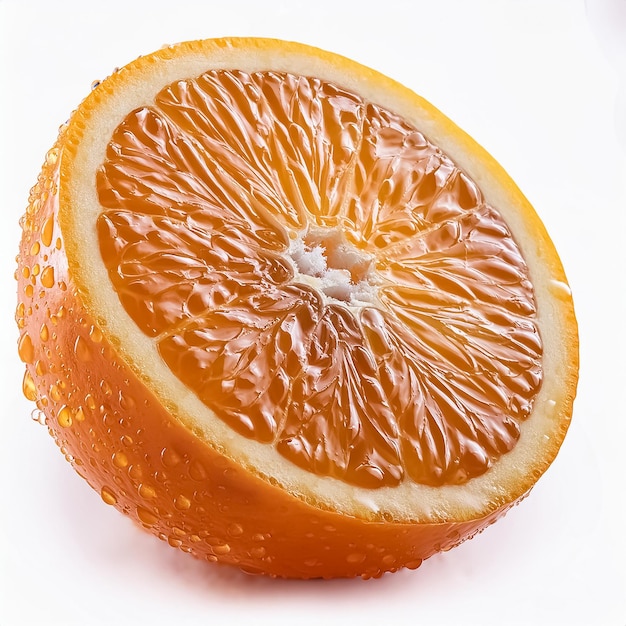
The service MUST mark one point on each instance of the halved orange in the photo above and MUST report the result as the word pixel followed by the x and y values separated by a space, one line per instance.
pixel 286 315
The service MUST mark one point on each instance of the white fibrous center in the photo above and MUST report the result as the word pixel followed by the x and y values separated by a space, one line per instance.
pixel 325 260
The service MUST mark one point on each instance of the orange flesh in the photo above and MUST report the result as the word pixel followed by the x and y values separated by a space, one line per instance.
pixel 322 277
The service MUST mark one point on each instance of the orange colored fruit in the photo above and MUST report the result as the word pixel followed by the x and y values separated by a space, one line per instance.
pixel 284 314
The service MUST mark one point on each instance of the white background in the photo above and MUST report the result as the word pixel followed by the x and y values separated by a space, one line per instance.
pixel 537 83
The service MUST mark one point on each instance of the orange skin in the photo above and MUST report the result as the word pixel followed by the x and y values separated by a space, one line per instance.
pixel 152 468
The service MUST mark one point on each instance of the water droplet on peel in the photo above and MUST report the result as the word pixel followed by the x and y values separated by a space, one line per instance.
pixel 126 402
pixel 135 471
pixel 28 387
pixel 454 536
pixel 221 549
pixel 38 416
pixel 44 333
pixel 47 276
pixel 235 530
pixel 79 415
pixel 26 349
pixel 95 334
pixel 55 393
pixel 146 516
pixel 355 557
pixel 90 402
pixel 120 460
pixel 197 471
pixel 182 503
pixel 108 496
pixel 82 349
pixel 47 231
pixel 413 564
pixel 257 552
pixel 64 416
pixel 170 458
pixel 146 491
pixel 52 156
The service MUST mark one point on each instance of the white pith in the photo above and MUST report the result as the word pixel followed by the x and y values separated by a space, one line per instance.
pixel 408 501
pixel 323 259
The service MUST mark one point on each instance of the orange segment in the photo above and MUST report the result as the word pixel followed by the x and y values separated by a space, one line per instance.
pixel 283 313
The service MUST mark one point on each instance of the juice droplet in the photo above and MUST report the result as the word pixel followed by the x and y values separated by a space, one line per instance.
pixel 28 387
pixel 82 349
pixel 47 276
pixel 44 333
pixel 108 496
pixel 26 349
pixel 64 416
pixel 34 249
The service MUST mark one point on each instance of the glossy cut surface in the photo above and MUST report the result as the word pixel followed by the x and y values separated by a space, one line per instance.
pixel 322 277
